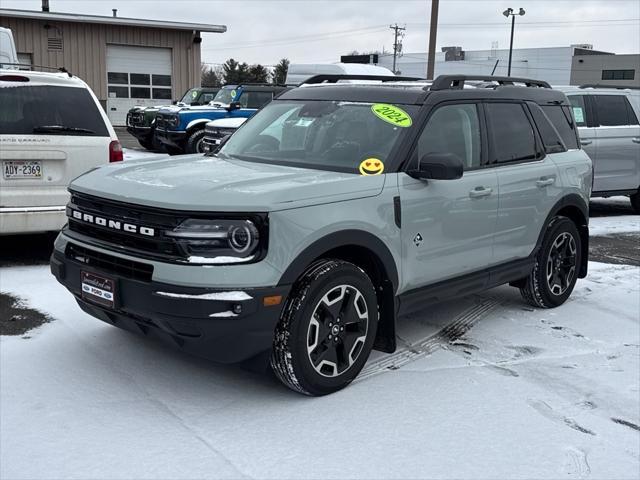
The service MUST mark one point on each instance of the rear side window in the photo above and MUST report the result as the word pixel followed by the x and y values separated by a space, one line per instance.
pixel 549 134
pixel 512 135
pixel 614 110
pixel 560 117
pixel 50 110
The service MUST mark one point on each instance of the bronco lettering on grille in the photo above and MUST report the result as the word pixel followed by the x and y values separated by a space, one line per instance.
pixel 112 224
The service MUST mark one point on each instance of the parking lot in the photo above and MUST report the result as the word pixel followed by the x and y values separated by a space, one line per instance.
pixel 472 379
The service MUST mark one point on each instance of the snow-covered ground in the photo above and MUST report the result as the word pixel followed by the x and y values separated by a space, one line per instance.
pixel 523 394
pixel 135 154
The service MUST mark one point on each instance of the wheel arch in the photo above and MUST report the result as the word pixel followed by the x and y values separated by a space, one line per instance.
pixel 369 253
pixel 575 208
pixel 195 124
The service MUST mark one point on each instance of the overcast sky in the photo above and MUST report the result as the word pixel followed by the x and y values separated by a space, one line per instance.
pixel 263 31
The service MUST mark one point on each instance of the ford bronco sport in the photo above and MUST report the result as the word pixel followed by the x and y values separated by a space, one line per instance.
pixel 331 213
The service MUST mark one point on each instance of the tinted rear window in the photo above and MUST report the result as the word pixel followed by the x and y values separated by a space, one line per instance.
pixel 513 138
pixel 25 108
pixel 561 119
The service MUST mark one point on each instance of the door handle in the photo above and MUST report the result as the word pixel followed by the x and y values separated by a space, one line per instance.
pixel 636 140
pixel 586 142
pixel 545 182
pixel 479 192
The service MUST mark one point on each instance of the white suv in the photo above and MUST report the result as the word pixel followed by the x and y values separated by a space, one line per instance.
pixel 52 129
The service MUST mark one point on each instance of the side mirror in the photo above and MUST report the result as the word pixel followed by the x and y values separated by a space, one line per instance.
pixel 174 102
pixel 439 166
pixel 234 106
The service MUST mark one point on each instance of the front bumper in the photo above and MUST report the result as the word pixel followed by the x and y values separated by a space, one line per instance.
pixel 141 133
pixel 171 138
pixel 230 328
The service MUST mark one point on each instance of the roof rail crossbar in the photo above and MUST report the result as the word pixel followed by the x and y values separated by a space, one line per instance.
pixel 608 85
pixel 331 78
pixel 448 82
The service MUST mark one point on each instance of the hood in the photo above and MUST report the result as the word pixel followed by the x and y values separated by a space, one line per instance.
pixel 198 183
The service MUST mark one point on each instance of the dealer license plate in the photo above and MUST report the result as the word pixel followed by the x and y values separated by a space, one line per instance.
pixel 98 289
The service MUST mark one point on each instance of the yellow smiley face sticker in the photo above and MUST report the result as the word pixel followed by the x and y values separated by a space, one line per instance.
pixel 371 166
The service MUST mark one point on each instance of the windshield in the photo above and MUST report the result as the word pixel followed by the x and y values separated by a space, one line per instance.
pixel 326 135
pixel 225 95
pixel 191 96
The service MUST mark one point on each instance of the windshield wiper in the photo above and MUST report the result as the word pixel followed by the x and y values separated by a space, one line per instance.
pixel 60 129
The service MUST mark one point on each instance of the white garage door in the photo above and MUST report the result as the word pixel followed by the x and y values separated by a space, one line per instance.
pixel 136 76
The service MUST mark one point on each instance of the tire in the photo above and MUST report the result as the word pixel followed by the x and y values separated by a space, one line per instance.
pixel 556 266
pixel 306 356
pixel 635 202
pixel 194 142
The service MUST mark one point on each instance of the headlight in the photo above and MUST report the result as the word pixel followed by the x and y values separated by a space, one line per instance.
pixel 219 241
pixel 174 121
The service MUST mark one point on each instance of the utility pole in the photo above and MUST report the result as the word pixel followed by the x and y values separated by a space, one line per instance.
pixel 397 45
pixel 433 31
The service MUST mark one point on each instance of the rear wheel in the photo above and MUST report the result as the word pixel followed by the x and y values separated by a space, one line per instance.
pixel 195 142
pixel 326 330
pixel 556 268
pixel 635 202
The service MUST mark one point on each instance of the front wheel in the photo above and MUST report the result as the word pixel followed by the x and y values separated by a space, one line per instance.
pixel 195 142
pixel 327 329
pixel 556 267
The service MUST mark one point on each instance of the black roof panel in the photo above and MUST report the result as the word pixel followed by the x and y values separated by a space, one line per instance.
pixel 417 94
pixel 349 92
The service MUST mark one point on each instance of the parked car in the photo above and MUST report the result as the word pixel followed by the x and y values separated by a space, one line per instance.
pixel 52 129
pixel 332 212
pixel 217 130
pixel 8 55
pixel 181 130
pixel 141 120
pixel 607 119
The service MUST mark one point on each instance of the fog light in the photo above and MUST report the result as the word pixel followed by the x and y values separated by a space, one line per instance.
pixel 237 309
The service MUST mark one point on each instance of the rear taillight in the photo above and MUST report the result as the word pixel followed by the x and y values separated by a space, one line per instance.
pixel 115 152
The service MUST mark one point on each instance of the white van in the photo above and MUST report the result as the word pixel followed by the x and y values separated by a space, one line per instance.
pixel 8 53
pixel 52 129
pixel 299 72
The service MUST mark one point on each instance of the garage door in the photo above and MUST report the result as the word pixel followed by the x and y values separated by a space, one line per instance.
pixel 136 76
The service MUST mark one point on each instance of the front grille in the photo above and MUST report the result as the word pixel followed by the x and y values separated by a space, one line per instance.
pixel 109 263
pixel 158 247
pixel 137 119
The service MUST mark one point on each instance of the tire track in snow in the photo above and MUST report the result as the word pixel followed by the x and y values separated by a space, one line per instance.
pixel 421 348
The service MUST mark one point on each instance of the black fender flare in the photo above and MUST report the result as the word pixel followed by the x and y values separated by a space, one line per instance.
pixel 343 238
pixel 388 285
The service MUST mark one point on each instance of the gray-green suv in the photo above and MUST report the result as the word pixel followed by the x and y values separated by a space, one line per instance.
pixel 332 213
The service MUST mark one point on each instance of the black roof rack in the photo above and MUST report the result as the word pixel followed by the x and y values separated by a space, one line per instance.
pixel 331 78
pixel 607 85
pixel 30 68
pixel 453 82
